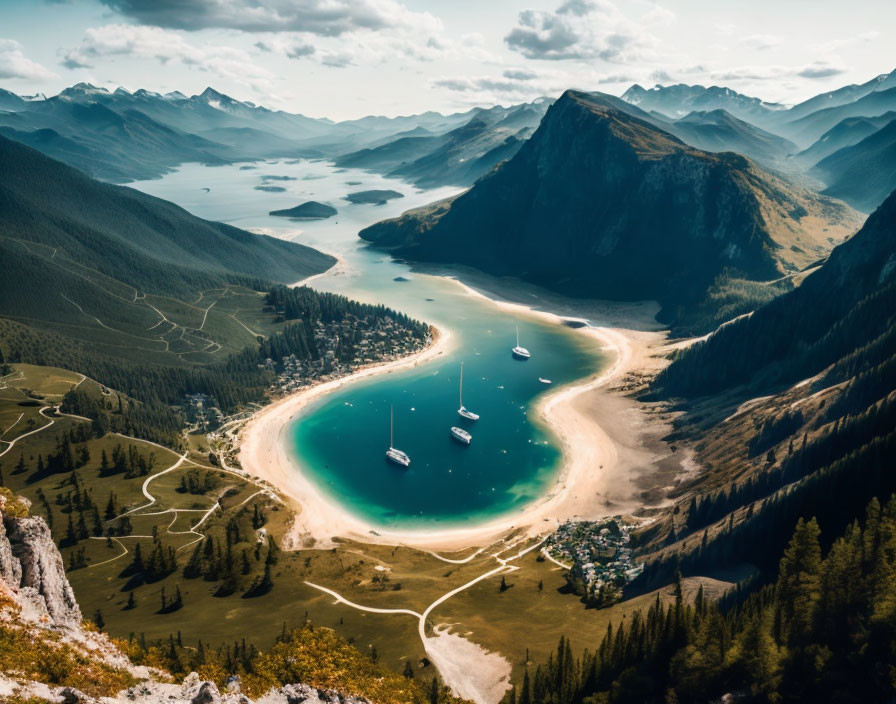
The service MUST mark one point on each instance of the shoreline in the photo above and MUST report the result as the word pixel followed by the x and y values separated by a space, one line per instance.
pixel 601 462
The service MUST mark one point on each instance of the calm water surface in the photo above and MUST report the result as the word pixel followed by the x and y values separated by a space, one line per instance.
pixel 340 440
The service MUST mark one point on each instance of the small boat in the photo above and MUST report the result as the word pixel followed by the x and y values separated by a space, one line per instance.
pixel 544 381
pixel 463 411
pixel 520 352
pixel 461 435
pixel 393 454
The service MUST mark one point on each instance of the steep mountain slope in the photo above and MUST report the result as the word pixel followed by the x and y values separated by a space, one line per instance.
pixel 791 413
pixel 11 101
pixel 842 307
pixel 842 96
pixel 806 130
pixel 865 173
pixel 121 273
pixel 600 203
pixel 458 157
pixel 145 242
pixel 679 100
pixel 720 131
pixel 845 133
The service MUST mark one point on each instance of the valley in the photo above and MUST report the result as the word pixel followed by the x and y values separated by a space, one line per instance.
pixel 632 359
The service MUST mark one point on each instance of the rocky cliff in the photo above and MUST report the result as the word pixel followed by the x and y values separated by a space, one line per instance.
pixel 31 569
pixel 601 203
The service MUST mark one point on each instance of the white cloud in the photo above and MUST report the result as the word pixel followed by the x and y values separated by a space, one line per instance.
pixel 761 42
pixel 847 42
pixel 582 30
pixel 322 17
pixel 14 63
pixel 774 72
pixel 134 41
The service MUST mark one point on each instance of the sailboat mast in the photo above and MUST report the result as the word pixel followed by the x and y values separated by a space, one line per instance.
pixel 461 384
pixel 517 335
pixel 391 426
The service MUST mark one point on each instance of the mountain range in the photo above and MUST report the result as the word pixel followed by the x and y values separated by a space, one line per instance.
pixel 122 136
pixel 863 173
pixel 601 203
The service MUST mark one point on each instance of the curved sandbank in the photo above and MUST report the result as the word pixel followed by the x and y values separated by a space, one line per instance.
pixel 600 456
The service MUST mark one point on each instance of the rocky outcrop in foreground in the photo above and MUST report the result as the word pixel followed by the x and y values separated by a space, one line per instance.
pixel 32 571
pixel 38 607
pixel 193 690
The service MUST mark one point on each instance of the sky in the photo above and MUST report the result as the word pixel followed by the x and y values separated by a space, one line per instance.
pixel 344 59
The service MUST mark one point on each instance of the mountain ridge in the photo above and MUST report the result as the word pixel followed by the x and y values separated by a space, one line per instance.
pixel 589 162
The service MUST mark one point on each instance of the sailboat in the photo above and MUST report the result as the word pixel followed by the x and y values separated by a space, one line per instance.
pixel 461 435
pixel 463 411
pixel 520 352
pixel 392 454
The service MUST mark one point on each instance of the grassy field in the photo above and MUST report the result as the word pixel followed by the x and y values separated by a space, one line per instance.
pixel 532 613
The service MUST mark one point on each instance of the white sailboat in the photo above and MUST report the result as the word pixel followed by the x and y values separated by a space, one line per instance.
pixel 392 454
pixel 463 411
pixel 520 352
pixel 461 435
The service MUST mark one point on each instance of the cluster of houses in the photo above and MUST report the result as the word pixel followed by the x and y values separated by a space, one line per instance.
pixel 202 413
pixel 599 557
pixel 344 347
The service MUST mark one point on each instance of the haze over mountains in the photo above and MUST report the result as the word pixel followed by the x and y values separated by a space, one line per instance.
pixel 121 136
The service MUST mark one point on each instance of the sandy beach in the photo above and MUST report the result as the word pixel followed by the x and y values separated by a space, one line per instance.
pixel 613 461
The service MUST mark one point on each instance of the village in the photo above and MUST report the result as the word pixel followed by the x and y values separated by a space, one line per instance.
pixel 597 555
pixel 344 347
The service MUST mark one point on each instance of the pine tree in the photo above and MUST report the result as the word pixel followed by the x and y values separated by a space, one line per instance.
pixel 71 538
pixel 798 589
pixel 408 670
pixel 132 601
pixel 111 511
pixel 99 620
pixel 434 691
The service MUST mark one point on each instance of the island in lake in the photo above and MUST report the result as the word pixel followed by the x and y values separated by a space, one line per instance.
pixel 270 189
pixel 377 197
pixel 309 210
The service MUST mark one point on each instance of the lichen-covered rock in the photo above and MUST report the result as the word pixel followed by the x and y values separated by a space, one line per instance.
pixel 42 574
pixel 10 569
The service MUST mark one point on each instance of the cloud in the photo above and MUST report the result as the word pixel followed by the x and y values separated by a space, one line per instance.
pixel 133 41
pixel 322 17
pixel 581 30
pixel 14 63
pixel 513 85
pixel 517 74
pixel 818 69
pixel 290 48
pixel 761 42
pixel 821 69
pixel 847 42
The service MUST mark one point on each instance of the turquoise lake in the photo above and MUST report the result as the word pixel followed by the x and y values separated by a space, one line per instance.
pixel 340 440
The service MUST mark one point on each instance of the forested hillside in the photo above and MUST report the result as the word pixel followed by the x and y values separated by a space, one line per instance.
pixel 145 298
pixel 823 631
pixel 791 413
pixel 840 310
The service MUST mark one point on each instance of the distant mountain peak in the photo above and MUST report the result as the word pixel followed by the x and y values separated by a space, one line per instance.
pixel 81 89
